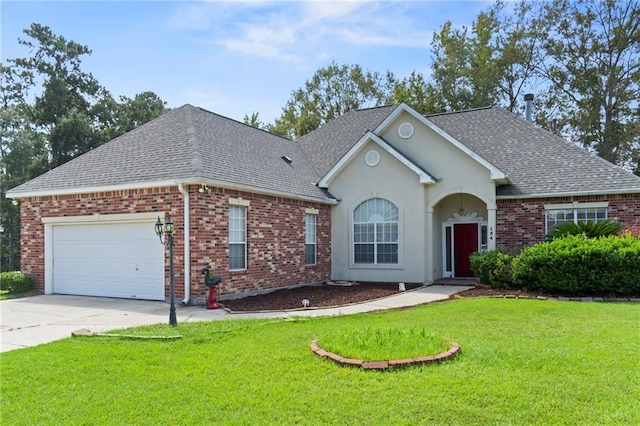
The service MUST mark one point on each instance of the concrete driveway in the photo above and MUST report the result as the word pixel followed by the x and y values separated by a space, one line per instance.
pixel 34 320
pixel 31 321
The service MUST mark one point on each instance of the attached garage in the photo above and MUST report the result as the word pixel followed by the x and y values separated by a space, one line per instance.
pixel 108 255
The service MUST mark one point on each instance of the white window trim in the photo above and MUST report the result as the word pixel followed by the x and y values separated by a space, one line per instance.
pixel 315 237
pixel 375 265
pixel 245 209
pixel 574 206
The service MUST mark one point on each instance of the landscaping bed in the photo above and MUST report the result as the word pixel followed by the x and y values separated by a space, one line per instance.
pixel 319 296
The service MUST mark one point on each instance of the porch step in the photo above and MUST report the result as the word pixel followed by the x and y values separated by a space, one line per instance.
pixel 471 281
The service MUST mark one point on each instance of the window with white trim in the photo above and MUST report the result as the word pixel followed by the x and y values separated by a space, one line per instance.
pixel 237 237
pixel 310 239
pixel 576 213
pixel 375 232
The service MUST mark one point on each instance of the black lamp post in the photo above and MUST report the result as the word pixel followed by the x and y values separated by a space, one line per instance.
pixel 166 229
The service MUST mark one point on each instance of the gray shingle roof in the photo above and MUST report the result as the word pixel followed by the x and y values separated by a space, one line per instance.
pixel 188 143
pixel 326 145
pixel 537 161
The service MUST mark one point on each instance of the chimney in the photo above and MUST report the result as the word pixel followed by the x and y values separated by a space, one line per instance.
pixel 528 98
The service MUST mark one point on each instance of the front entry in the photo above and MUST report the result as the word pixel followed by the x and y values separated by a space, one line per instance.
pixel 465 237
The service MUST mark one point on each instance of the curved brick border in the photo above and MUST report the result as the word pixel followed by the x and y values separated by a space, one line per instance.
pixel 385 365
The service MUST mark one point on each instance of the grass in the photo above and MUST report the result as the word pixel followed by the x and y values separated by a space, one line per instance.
pixel 6 294
pixel 522 362
pixel 384 343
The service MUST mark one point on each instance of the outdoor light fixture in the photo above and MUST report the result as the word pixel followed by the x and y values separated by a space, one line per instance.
pixel 166 229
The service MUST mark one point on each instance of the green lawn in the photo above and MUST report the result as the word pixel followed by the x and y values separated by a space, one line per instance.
pixel 522 362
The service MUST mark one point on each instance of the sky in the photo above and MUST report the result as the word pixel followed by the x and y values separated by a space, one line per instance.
pixel 235 57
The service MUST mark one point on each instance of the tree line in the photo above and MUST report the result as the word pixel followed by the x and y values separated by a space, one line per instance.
pixel 580 58
pixel 50 112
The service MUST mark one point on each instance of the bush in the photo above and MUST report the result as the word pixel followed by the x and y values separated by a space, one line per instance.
pixel 577 264
pixel 591 229
pixel 493 268
pixel 16 282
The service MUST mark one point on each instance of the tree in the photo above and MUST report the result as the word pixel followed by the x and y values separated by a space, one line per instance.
pixel 22 157
pixel 71 115
pixel 591 60
pixel 254 120
pixel 331 92
pixel 417 93
pixel 466 65
pixel 68 93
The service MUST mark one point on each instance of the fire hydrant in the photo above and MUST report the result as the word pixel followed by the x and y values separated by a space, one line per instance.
pixel 212 283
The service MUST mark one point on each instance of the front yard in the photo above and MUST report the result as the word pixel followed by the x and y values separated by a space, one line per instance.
pixel 522 362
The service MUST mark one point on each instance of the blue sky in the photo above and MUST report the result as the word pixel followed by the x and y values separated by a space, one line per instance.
pixel 237 57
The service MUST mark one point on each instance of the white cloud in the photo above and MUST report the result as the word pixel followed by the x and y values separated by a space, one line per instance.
pixel 305 32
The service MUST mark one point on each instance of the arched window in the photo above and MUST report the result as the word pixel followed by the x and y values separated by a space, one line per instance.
pixel 375 232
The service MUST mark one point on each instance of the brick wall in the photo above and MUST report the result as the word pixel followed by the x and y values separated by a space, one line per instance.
pixel 275 242
pixel 521 223
pixel 32 210
pixel 275 235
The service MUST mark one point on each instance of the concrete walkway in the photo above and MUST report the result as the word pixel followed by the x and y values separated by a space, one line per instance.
pixel 35 320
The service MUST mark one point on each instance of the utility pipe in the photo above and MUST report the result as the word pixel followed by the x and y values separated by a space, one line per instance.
pixel 187 249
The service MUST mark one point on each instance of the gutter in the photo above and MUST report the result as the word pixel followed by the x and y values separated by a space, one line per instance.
pixel 570 194
pixel 187 249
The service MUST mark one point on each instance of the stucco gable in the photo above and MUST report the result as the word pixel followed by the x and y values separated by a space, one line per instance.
pixel 423 176
pixel 392 119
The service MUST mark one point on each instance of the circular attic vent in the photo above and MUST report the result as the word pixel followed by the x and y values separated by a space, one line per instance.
pixel 372 158
pixel 405 130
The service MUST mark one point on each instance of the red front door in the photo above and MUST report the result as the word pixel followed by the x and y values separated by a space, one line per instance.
pixel 465 242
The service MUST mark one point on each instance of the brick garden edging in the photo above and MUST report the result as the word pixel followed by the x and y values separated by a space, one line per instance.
pixel 385 365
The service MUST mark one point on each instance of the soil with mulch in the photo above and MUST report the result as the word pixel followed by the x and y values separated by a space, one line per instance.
pixel 319 296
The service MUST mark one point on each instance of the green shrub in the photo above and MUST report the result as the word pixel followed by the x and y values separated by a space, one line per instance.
pixel 577 264
pixel 16 282
pixel 493 267
pixel 591 229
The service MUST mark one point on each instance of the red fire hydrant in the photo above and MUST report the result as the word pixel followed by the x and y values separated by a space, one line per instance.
pixel 212 283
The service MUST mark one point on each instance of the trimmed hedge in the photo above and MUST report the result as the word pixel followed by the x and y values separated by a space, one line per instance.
pixel 16 282
pixel 577 264
pixel 493 267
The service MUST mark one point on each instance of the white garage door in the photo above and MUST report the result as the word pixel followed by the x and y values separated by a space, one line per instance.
pixel 112 260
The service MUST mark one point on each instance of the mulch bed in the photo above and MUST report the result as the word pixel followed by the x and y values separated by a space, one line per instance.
pixel 330 295
pixel 319 296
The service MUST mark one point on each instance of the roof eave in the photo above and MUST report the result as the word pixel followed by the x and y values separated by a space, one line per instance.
pixel 167 183
pixel 570 194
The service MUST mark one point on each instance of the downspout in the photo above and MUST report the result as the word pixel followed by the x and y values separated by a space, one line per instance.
pixel 187 248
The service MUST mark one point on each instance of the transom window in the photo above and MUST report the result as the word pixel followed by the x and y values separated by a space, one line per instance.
pixel 237 237
pixel 556 217
pixel 375 232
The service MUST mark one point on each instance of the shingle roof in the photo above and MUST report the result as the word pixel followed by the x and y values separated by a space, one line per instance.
pixel 326 145
pixel 188 143
pixel 537 161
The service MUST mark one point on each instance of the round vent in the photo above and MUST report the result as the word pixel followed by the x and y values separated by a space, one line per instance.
pixel 372 158
pixel 405 130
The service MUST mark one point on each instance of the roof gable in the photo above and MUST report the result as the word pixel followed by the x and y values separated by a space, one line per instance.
pixel 325 146
pixel 423 175
pixel 496 173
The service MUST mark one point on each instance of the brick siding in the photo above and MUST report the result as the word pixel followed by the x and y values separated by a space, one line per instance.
pixel 521 222
pixel 275 235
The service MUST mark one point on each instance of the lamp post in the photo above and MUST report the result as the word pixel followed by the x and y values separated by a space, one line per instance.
pixel 166 229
